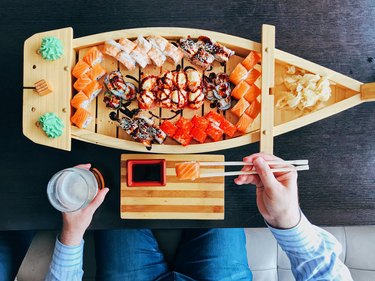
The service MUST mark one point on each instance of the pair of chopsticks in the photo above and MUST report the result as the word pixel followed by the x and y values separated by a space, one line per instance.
pixel 298 165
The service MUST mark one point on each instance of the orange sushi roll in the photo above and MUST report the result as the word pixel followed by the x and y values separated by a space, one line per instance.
pixel 81 118
pixel 254 109
pixel 240 107
pixel 244 123
pixel 252 76
pixel 240 90
pixel 93 56
pixel 252 94
pixel 80 69
pixel 92 90
pixel 96 72
pixel 187 170
pixel 80 100
pixel 251 60
pixel 82 82
pixel 239 73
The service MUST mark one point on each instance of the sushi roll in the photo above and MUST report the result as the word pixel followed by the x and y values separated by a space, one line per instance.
pixel 173 53
pixel 80 69
pixel 220 52
pixel 111 100
pixel 169 128
pixel 202 58
pixel 146 99
pixel 244 123
pixel 115 83
pixel 158 42
pixel 188 47
pixel 96 72
pixel 92 90
pixel 178 98
pixel 82 82
pixel 93 56
pixel 240 107
pixel 112 48
pixel 251 60
pixel 81 118
pixel 126 60
pixel 196 98
pixel 156 56
pixel 214 132
pixel 140 57
pixel 194 79
pixel 238 74
pixel 126 45
pixel 80 100
pixel 143 44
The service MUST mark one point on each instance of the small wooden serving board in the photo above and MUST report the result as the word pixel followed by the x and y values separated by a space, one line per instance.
pixel 201 199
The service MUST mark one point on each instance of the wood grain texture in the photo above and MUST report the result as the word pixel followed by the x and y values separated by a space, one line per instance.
pixel 179 199
pixel 336 34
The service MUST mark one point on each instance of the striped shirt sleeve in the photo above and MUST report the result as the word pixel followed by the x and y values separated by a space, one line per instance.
pixel 66 263
pixel 313 252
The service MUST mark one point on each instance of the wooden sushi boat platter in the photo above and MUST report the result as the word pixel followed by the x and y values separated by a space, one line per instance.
pixel 48 88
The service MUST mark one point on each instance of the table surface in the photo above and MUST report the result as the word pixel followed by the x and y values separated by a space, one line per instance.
pixel 338 189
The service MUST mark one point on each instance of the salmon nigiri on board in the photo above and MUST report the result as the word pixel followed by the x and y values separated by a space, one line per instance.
pixel 187 170
pixel 80 69
pixel 81 118
pixel 80 100
pixel 93 56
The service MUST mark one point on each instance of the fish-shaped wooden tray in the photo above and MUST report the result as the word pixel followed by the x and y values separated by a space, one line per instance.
pixel 346 92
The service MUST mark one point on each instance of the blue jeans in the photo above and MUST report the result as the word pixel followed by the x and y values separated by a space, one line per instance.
pixel 13 247
pixel 204 254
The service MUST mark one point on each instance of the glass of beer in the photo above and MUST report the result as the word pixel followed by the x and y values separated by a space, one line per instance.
pixel 72 189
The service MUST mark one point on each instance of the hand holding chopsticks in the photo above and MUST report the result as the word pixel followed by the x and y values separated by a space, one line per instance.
pixel 299 165
pixel 191 170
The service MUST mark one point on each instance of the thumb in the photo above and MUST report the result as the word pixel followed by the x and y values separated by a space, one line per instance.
pixel 265 173
pixel 98 200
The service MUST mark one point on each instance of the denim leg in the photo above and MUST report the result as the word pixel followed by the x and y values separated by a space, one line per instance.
pixel 213 254
pixel 128 254
pixel 13 247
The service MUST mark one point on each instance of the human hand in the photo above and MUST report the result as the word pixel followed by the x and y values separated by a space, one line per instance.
pixel 76 223
pixel 277 193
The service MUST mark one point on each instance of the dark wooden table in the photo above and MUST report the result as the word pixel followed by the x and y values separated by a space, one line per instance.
pixel 339 189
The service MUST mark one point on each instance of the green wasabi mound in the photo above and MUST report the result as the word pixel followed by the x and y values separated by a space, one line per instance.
pixel 51 124
pixel 51 48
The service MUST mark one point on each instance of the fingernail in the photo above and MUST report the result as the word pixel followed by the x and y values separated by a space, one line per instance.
pixel 237 181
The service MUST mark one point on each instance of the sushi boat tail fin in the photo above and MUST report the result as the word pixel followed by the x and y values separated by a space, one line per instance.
pixel 47 87
pixel 368 92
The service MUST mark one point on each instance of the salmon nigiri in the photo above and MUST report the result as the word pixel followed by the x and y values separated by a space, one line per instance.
pixel 187 170
pixel 82 82
pixel 96 72
pixel 80 100
pixel 251 60
pixel 238 74
pixel 93 56
pixel 244 123
pixel 81 118
pixel 80 69
pixel 92 90
pixel 240 107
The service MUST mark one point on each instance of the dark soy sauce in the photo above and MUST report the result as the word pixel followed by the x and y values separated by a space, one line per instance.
pixel 146 173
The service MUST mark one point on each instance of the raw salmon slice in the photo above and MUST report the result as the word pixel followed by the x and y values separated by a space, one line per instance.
pixel 240 90
pixel 93 56
pixel 80 100
pixel 252 76
pixel 251 60
pixel 80 68
pixel 238 74
pixel 82 82
pixel 187 170
pixel 244 123
pixel 240 107
pixel 96 72
pixel 81 118
pixel 254 109
pixel 252 93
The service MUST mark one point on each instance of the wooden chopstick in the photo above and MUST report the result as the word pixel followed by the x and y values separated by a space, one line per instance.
pixel 236 173
pixel 239 163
